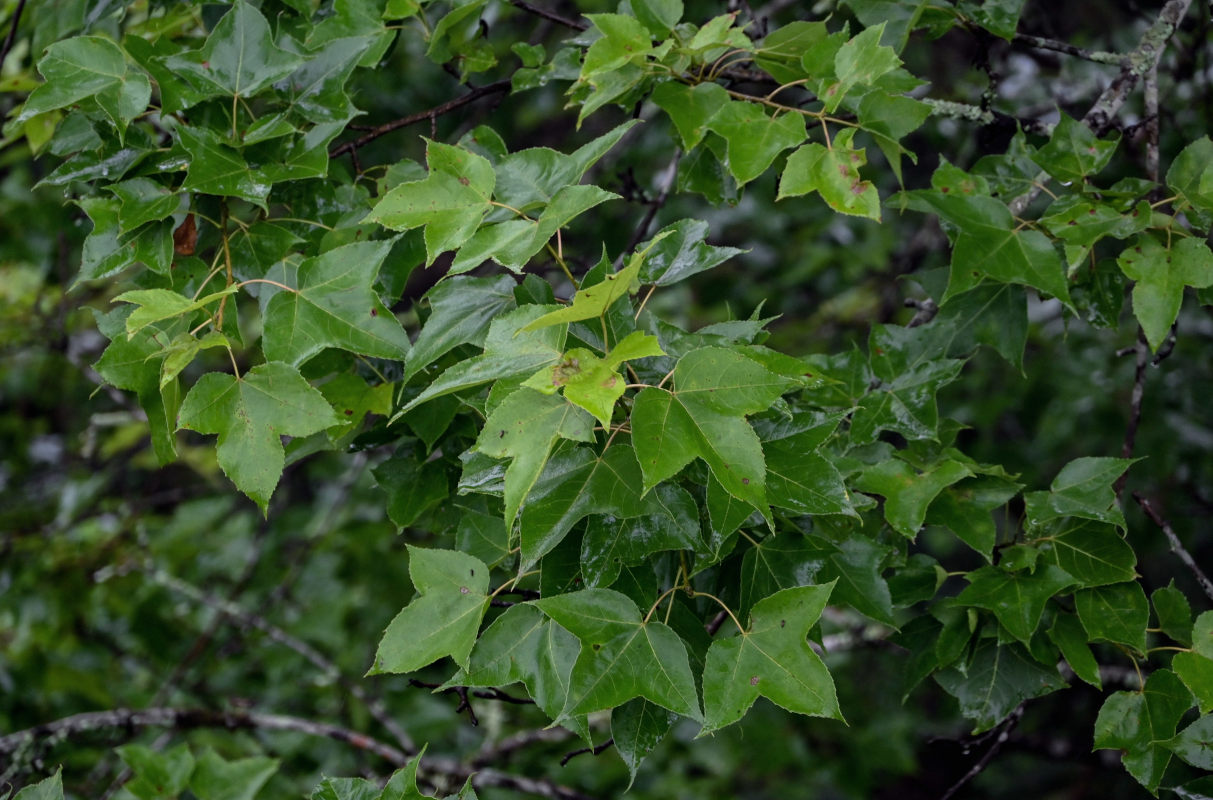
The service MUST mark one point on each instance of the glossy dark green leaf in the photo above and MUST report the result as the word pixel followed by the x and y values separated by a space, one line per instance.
pixel 682 252
pixel 1073 151
pixel 966 506
pixel 1191 176
pixel 905 404
pixel 1136 723
pixel 1083 488
pixel 87 68
pixel 524 646
pixel 805 482
pixel 1093 553
pixel 1202 634
pixel 857 563
pixel 215 168
pixel 704 417
pixel 1116 613
pixel 691 108
pixel 443 620
pixel 611 542
pixel 784 561
pixel 251 414
pixel 1071 638
pixel 1196 672
pixel 412 487
pixel 637 727
pixel 1017 599
pixel 772 658
pixel 1079 220
pixel 622 656
pixel 783 48
pixel 1174 613
pixel 1194 744
pixel 524 428
pixel 908 492
pixel 239 58
pixel 996 679
pixel 334 305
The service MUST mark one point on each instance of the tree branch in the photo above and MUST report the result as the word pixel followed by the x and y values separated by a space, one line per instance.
pixel 12 32
pixel 1041 43
pixel 1136 65
pixel 315 657
pixel 1177 546
pixel 129 720
pixel 1007 725
pixel 550 16
pixel 1142 349
pixel 431 114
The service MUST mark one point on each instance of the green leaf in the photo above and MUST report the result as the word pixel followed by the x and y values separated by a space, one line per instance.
pixel 508 351
pixel 1196 672
pixel 1083 488
pixel 903 400
pixel 996 679
pixel 525 646
pixel 990 244
pixel 585 379
pixel 772 658
pixel 1073 152
pixel 594 301
pixel 783 48
pixel 1161 275
pixel 412 487
pixel 461 309
pixel 1191 176
pixel 704 417
pixel 681 252
pixel 238 59
pixel 1116 613
pixel 531 178
pixel 637 727
pixel 251 414
pixel 79 69
pixel 1174 613
pixel 46 789
pixel 660 17
pixel 834 172
pixel 1202 634
pixel 524 428
pixel 443 620
pixel 857 563
pixel 1194 744
pixel 754 139
pixel 690 108
pixel 215 778
pixel 450 202
pixel 158 305
pixel 1016 598
pixel 965 509
pixel 1138 724
pixel 1079 220
pixel 622 657
pixel 669 521
pixel 859 62
pixel 778 562
pixel 157 774
pixel 1093 553
pixel 999 17
pixel 334 305
pixel 907 492
pixel 215 168
pixel 803 480
pixel 142 201
pixel 1071 638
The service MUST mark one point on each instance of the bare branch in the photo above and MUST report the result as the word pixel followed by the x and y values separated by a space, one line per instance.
pixel 550 16
pixel 431 114
pixel 1003 734
pixel 1177 546
pixel 597 750
pixel 666 183
pixel 315 657
pixel 12 32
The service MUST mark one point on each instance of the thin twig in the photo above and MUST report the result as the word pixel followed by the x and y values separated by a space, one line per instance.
pixel 550 16
pixel 519 741
pixel 666 183
pixel 12 32
pixel 1177 546
pixel 597 750
pixel 1150 95
pixel 431 114
pixel 1139 390
pixel 1136 65
pixel 1007 725
pixel 373 705
pixel 1041 43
